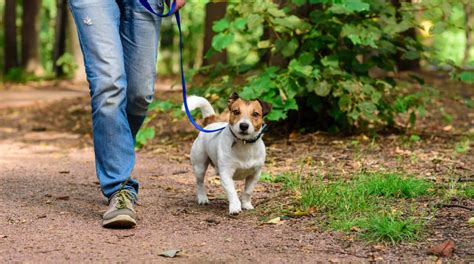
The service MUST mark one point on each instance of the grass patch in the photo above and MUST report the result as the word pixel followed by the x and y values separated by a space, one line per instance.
pixel 395 185
pixel 375 205
pixel 468 191
pixel 382 228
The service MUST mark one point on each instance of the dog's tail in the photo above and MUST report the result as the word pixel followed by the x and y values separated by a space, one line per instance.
pixel 202 103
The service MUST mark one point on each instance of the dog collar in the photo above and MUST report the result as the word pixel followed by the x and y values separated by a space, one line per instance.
pixel 249 141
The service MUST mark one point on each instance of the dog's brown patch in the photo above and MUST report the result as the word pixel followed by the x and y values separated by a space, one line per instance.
pixel 223 117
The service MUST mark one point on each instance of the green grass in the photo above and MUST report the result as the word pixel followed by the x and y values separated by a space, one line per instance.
pixel 462 146
pixel 375 205
pixel 395 185
pixel 469 191
pixel 381 228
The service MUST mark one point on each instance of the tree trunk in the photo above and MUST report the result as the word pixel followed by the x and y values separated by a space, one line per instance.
pixel 30 58
pixel 75 49
pixel 60 35
pixel 214 12
pixel 405 64
pixel 268 57
pixel 10 52
pixel 469 21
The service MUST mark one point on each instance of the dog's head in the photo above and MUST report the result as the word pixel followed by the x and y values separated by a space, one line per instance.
pixel 246 117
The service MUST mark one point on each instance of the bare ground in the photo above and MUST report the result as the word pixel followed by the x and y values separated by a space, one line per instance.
pixel 51 205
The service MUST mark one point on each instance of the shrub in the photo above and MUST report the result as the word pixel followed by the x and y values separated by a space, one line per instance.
pixel 315 57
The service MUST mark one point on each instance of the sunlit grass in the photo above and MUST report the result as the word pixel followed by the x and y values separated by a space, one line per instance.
pixel 372 204
pixel 391 228
pixel 469 191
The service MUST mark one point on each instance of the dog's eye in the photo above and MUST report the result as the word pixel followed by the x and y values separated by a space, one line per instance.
pixel 255 114
pixel 235 112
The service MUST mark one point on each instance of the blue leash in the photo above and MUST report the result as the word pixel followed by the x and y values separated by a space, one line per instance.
pixel 148 7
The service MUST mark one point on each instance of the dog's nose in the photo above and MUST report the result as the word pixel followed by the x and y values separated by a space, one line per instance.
pixel 244 126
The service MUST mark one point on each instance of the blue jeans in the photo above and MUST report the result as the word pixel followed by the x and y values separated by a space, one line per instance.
pixel 119 40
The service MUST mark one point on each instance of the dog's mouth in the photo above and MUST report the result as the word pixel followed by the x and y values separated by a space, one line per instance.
pixel 244 133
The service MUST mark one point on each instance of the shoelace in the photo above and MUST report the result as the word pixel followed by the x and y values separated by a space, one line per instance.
pixel 122 197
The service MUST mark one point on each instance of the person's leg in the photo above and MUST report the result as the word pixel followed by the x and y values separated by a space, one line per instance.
pixel 140 32
pixel 98 25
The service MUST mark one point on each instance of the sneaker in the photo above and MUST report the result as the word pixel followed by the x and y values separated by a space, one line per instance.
pixel 120 213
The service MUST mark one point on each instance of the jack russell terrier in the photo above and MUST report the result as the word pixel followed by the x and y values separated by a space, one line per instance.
pixel 236 152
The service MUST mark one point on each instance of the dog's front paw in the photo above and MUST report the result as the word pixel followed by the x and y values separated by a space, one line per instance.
pixel 203 199
pixel 235 208
pixel 247 206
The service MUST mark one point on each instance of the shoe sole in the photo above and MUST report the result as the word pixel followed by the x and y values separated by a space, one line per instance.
pixel 120 221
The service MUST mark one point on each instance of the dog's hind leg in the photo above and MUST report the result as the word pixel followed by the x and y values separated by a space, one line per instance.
pixel 199 169
pixel 250 183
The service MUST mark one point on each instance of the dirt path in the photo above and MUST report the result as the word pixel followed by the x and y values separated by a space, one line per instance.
pixel 51 206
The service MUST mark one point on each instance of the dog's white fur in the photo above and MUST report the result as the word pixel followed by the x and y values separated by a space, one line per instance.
pixel 195 102
pixel 232 159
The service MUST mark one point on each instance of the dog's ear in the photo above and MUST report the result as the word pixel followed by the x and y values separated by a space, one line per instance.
pixel 266 107
pixel 232 98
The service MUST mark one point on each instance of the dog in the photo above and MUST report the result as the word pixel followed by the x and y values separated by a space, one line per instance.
pixel 236 152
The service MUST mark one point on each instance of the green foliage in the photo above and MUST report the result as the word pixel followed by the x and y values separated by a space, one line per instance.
pixel 469 191
pixel 67 64
pixel 464 76
pixel 462 146
pixel 415 138
pixel 144 135
pixel 147 132
pixel 447 26
pixel 324 55
pixel 19 75
pixel 193 17
pixel 371 203
pixel 447 29
pixel 48 13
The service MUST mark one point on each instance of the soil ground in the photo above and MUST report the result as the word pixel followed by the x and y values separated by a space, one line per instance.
pixel 51 205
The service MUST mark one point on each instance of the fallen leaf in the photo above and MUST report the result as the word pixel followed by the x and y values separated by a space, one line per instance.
pixel 293 135
pixel 355 229
pixel 170 253
pixel 299 213
pixel 447 128
pixel 444 249
pixel 402 151
pixel 379 247
pixel 215 181
pixel 274 221
pixel 471 221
